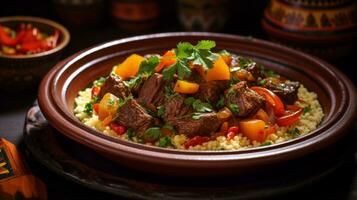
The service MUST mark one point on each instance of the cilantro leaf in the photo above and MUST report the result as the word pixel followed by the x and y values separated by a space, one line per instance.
pixel 224 53
pixel 233 107
pixel 169 92
pixel 160 111
pixel 152 133
pixel 165 141
pixel 99 82
pixel 200 106
pixel 130 134
pixel 205 44
pixel 133 82
pixel 244 62
pixel 204 58
pixel 147 66
pixel 169 127
pixel 220 102
pixel 294 132
pixel 88 108
pixel 189 101
pixel 266 143
pixel 183 70
pixel 184 50
pixel 306 109
pixel 197 115
pixel 168 72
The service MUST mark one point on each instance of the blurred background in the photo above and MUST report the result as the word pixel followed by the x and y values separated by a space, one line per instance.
pixel 326 28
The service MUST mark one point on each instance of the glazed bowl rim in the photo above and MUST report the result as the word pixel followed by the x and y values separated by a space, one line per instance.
pixel 300 145
pixel 47 22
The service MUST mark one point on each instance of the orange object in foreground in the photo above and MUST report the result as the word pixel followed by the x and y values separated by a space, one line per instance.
pixel 15 178
pixel 185 87
pixel 255 129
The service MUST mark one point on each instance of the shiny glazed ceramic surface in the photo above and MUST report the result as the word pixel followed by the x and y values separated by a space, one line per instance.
pixel 62 84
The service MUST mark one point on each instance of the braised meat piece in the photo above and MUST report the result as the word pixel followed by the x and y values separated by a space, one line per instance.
pixel 243 101
pixel 205 124
pixel 254 69
pixel 132 115
pixel 287 91
pixel 152 91
pixel 210 91
pixel 180 116
pixel 115 86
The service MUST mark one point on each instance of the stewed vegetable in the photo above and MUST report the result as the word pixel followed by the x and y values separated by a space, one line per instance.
pixel 193 92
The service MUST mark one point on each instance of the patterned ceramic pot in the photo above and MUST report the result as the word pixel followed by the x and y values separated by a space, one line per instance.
pixel 326 28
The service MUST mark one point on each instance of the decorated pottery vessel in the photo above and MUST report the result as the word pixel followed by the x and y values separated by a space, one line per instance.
pixel 326 28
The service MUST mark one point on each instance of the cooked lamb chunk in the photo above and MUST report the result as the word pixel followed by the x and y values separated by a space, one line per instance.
pixel 287 91
pixel 242 100
pixel 132 115
pixel 115 86
pixel 152 91
pixel 210 91
pixel 180 116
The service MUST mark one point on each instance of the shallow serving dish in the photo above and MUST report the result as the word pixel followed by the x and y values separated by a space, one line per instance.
pixel 22 72
pixel 336 93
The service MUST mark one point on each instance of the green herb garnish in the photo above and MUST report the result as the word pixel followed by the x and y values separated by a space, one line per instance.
pixel 198 105
pixel 111 102
pixel 262 82
pixel 266 143
pixel 169 127
pixel 130 134
pixel 234 80
pixel 153 133
pixel 88 108
pixel 169 92
pixel 133 82
pixel 160 111
pixel 220 102
pixel 306 109
pixel 233 107
pixel 197 115
pixel 99 82
pixel 147 66
pixel 244 62
pixel 224 53
pixel 199 54
pixel 165 142
pixel 294 132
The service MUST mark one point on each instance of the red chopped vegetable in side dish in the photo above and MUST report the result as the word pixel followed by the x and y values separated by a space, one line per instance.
pixel 26 40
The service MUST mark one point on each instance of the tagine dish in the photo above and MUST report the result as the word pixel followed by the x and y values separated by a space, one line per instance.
pixel 192 97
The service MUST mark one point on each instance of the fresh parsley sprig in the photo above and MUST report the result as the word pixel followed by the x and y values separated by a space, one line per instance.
pixel 199 54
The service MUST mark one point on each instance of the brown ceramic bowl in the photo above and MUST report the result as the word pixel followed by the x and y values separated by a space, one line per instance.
pixel 62 84
pixel 19 72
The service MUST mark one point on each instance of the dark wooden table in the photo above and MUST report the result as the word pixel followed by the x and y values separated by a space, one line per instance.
pixel 13 107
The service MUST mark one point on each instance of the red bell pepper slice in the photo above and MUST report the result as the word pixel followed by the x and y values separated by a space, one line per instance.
pixel 195 141
pixel 272 99
pixel 6 39
pixel 289 118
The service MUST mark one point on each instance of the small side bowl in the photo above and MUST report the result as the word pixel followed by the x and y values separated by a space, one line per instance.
pixel 21 72
pixel 336 93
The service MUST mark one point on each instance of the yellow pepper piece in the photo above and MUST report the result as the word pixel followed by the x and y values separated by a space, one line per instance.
pixel 219 71
pixel 185 87
pixel 108 106
pixel 129 67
